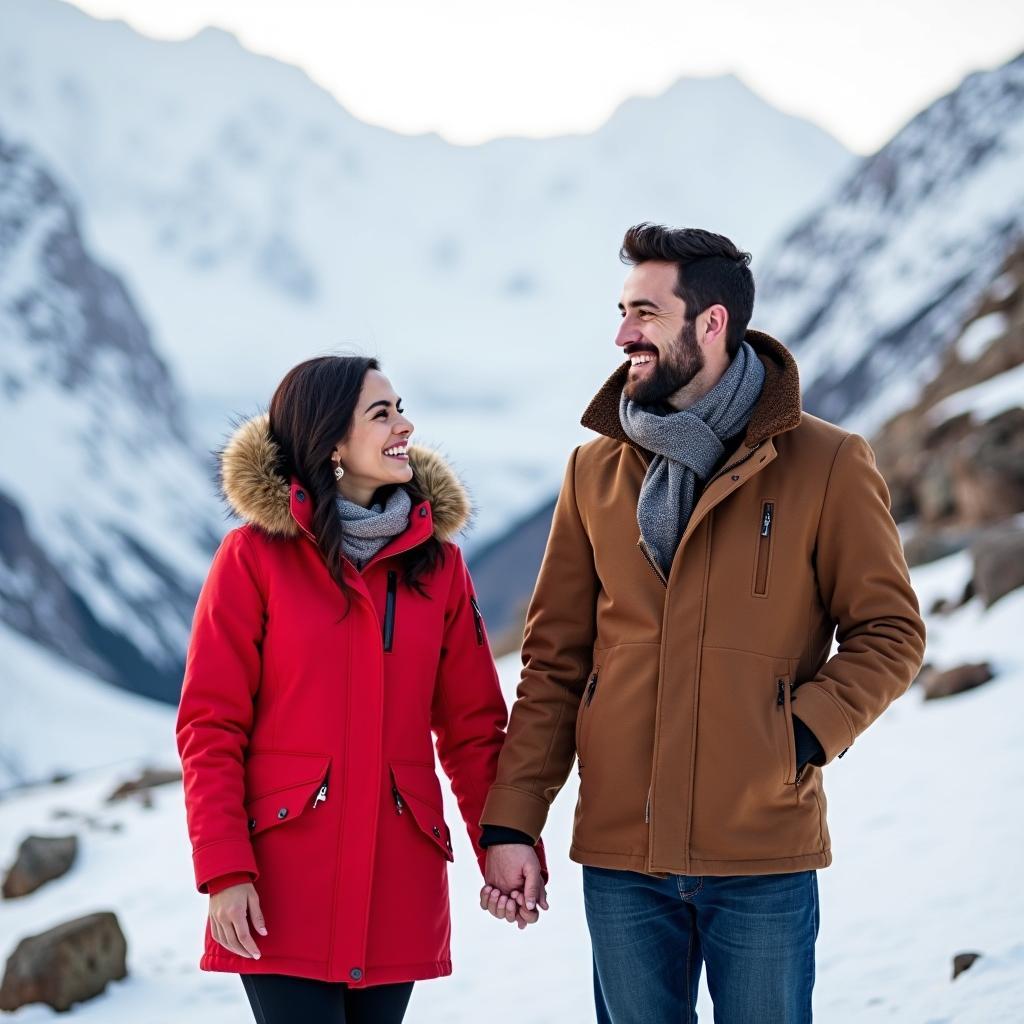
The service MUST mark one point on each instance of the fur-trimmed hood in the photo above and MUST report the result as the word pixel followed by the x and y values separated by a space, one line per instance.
pixel 257 493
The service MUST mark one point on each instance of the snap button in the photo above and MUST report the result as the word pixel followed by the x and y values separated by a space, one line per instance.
pixel 252 823
pixel 423 512
pixel 355 974
pixel 283 812
pixel 300 495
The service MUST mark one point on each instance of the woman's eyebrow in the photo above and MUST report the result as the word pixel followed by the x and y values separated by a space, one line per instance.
pixel 383 402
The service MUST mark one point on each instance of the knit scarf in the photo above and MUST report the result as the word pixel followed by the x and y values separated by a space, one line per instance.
pixel 367 530
pixel 687 445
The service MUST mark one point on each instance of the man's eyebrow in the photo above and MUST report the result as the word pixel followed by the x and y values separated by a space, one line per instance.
pixel 637 303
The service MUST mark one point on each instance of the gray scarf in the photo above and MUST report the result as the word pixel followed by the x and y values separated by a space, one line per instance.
pixel 367 530
pixel 687 446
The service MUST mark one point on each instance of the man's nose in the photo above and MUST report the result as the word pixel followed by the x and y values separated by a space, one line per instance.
pixel 628 333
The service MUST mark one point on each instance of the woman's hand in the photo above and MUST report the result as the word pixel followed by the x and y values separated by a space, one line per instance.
pixel 231 910
pixel 512 907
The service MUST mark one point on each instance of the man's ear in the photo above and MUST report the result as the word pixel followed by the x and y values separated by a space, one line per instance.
pixel 716 324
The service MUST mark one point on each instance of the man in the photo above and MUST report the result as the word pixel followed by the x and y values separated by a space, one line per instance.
pixel 704 551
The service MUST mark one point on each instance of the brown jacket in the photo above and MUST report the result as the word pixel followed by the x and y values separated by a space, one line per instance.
pixel 677 696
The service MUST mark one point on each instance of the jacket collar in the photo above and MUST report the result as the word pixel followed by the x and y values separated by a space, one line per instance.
pixel 258 493
pixel 776 411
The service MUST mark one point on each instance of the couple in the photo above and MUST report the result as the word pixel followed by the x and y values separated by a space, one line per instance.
pixel 705 549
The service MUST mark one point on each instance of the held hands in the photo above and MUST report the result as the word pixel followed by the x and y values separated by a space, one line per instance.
pixel 231 910
pixel 515 888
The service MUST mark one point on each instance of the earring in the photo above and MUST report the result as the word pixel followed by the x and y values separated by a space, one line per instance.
pixel 338 471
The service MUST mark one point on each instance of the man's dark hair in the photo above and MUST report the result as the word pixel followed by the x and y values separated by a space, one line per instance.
pixel 711 271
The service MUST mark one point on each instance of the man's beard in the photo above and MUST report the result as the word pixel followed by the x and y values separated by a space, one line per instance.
pixel 673 370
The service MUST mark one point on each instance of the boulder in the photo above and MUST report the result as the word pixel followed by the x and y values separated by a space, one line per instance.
pixel 39 859
pixel 149 778
pixel 954 680
pixel 962 961
pixel 998 563
pixel 928 545
pixel 67 964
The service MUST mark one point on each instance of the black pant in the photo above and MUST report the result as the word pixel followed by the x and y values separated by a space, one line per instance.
pixel 284 999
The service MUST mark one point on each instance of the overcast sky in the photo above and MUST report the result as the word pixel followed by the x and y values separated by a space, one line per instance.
pixel 476 69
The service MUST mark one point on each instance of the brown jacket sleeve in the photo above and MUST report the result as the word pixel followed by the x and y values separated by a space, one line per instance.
pixel 557 651
pixel 865 585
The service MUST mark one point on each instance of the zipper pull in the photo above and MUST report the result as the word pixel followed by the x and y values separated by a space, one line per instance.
pixel 647 809
pixel 399 803
pixel 781 699
pixel 590 689
pixel 321 796
pixel 766 520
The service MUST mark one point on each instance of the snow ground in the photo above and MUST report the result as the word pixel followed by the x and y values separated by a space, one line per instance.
pixel 924 814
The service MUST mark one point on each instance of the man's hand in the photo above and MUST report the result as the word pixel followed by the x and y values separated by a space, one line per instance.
pixel 515 888
pixel 231 910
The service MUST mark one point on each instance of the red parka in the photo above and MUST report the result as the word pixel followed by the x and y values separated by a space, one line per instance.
pixel 305 732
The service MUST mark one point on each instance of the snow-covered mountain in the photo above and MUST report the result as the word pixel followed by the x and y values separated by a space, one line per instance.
pixel 257 223
pixel 876 292
pixel 107 512
pixel 873 287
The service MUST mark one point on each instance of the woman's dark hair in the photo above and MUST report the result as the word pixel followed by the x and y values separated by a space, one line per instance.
pixel 711 270
pixel 311 411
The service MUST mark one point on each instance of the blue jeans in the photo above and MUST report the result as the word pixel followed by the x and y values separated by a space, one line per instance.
pixel 651 936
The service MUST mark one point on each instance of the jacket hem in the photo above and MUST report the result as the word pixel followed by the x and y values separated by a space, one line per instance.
pixel 386 974
pixel 697 866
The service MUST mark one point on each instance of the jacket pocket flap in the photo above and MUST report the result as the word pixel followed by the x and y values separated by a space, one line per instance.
pixel 280 785
pixel 421 793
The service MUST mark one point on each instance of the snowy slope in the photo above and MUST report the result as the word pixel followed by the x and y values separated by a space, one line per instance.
pixel 59 719
pixel 926 865
pixel 107 511
pixel 873 287
pixel 257 222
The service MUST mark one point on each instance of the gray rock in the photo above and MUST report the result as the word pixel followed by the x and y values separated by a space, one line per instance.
pixel 929 545
pixel 954 680
pixel 149 778
pixel 40 859
pixel 962 961
pixel 998 564
pixel 67 964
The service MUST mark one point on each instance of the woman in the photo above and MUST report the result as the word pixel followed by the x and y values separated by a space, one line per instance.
pixel 336 630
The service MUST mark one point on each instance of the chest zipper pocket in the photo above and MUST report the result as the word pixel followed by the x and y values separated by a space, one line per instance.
pixel 478 621
pixel 764 549
pixel 389 610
